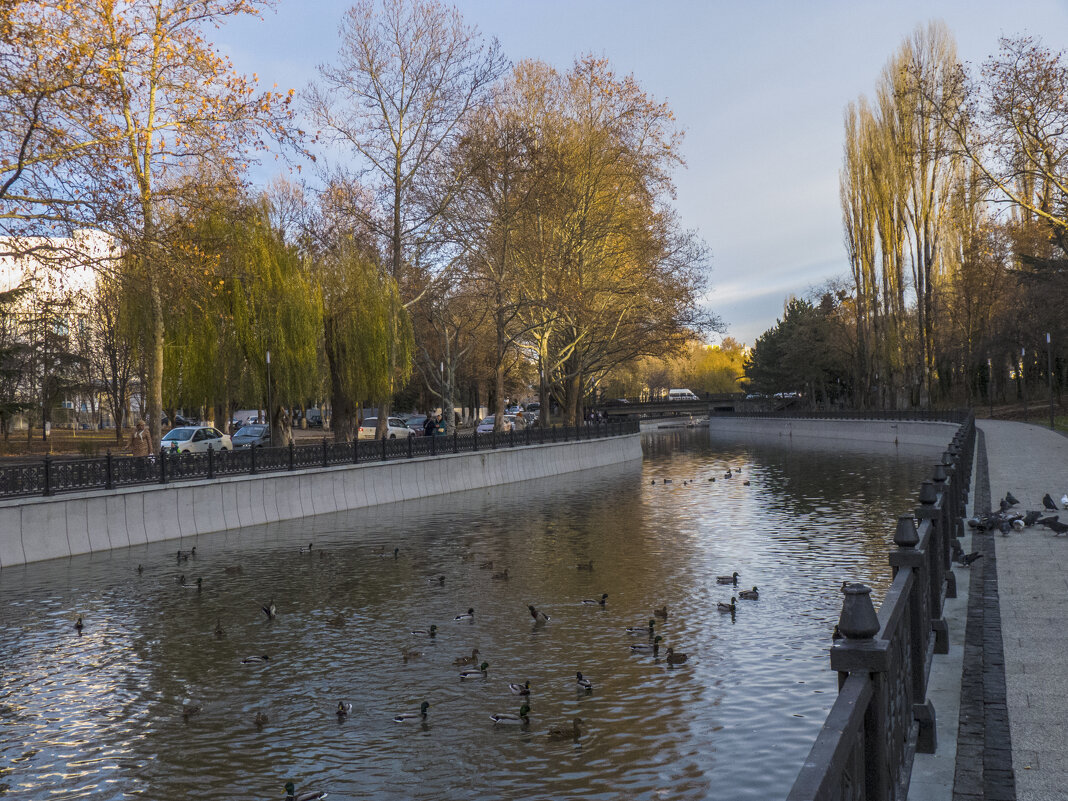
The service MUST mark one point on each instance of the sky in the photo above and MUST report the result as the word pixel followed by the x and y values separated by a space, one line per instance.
pixel 759 88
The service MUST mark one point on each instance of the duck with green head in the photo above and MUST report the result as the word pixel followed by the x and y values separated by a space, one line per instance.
pixel 505 718
pixel 750 595
pixel 728 608
pixel 642 629
pixel 409 717
pixel 308 795
pixel 648 647
pixel 475 673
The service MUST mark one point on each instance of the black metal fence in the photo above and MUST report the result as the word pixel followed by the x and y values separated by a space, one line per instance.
pixel 51 476
pixel 914 415
pixel 881 717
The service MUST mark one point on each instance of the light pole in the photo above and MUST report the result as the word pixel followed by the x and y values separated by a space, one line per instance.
pixel 990 384
pixel 1049 358
pixel 1023 378
pixel 441 374
pixel 270 428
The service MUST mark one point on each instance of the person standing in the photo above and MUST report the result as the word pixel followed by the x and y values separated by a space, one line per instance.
pixel 139 444
pixel 429 425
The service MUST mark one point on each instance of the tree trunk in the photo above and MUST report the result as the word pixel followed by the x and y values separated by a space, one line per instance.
pixel 154 358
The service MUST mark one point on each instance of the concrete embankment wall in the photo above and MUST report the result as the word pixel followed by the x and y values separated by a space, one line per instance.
pixel 895 432
pixel 35 529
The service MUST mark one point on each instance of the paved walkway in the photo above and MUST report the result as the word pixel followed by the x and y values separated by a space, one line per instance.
pixel 1032 582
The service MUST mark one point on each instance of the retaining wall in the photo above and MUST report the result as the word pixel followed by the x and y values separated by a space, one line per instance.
pixel 35 529
pixel 896 432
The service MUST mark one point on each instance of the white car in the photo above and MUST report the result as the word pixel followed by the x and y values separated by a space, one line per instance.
pixel 395 430
pixel 196 439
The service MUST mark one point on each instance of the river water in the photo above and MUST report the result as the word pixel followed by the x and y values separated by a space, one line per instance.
pixel 100 714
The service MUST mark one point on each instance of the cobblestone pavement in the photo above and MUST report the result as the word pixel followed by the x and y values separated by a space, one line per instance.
pixel 1031 586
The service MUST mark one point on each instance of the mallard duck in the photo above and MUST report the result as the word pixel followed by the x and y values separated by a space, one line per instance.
pixel 468 615
pixel 475 673
pixel 512 719
pixel 728 474
pixel 408 717
pixel 430 632
pixel 661 612
pixel 306 550
pixel 270 610
pixel 642 629
pixel 181 580
pixel 261 720
pixel 592 602
pixel 219 633
pixel 308 795
pixel 673 658
pixel 199 586
pixel 467 660
pixel 669 481
pixel 648 647
pixel 745 483
pixel 188 710
pixel 713 479
pixel 436 580
pixel 343 708
pixel 731 579
pixel 520 689
pixel 486 565
pixel 572 733
pixel 252 660
pixel 725 608
pixel 584 565
pixel 337 620
pixel 583 683
pixel 78 624
pixel 750 595
pixel 539 617
pixel 501 576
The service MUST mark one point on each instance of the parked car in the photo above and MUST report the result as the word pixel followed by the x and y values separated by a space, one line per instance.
pixel 394 430
pixel 196 439
pixel 314 418
pixel 514 410
pixel 244 417
pixel 507 424
pixel 416 424
pixel 247 436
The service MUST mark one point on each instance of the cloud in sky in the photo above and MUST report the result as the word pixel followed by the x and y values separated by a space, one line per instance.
pixel 759 87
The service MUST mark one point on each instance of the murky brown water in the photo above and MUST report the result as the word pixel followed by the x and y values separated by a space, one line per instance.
pixel 100 715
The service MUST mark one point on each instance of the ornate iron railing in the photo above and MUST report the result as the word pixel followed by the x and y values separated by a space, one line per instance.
pixel 51 476
pixel 882 717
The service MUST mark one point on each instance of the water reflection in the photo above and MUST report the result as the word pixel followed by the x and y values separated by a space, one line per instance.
pixel 100 714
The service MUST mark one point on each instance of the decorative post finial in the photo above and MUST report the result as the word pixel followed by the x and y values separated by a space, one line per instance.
pixel 928 493
pixel 858 620
pixel 906 536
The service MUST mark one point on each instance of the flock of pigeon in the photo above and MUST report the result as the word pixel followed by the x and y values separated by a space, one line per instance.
pixel 1007 519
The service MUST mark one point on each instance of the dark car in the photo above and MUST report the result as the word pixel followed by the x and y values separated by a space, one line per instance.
pixel 417 423
pixel 247 436
pixel 314 417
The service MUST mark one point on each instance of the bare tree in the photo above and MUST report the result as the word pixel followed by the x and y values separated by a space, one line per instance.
pixel 408 74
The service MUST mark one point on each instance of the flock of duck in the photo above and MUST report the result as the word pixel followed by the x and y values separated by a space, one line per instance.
pixel 472 667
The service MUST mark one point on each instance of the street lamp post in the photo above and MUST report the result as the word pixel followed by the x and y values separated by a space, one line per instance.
pixel 1049 358
pixel 270 427
pixel 990 385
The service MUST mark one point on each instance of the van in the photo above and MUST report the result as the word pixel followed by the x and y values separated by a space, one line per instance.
pixel 681 394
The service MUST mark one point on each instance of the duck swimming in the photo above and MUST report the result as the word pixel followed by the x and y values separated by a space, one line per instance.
pixel 661 612
pixel 188 710
pixel 468 615
pixel 513 719
pixel 343 709
pixel 408 717
pixel 252 660
pixel 309 795
pixel 475 673
pixel 731 579
pixel 750 595
pixel 306 550
pixel 270 610
pixel 539 617
pixel 430 632
pixel 725 608
pixel 78 624
pixel 648 647
pixel 592 602
pixel 583 683
pixel 467 660
pixel 501 576
pixel 520 689
pixel 572 733
pixel 261 720
pixel 642 629
pixel 674 658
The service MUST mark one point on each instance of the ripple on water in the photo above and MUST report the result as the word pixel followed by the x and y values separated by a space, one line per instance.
pixel 100 715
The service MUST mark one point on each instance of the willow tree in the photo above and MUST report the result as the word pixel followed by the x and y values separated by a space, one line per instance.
pixel 275 309
pixel 366 331
pixel 408 73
